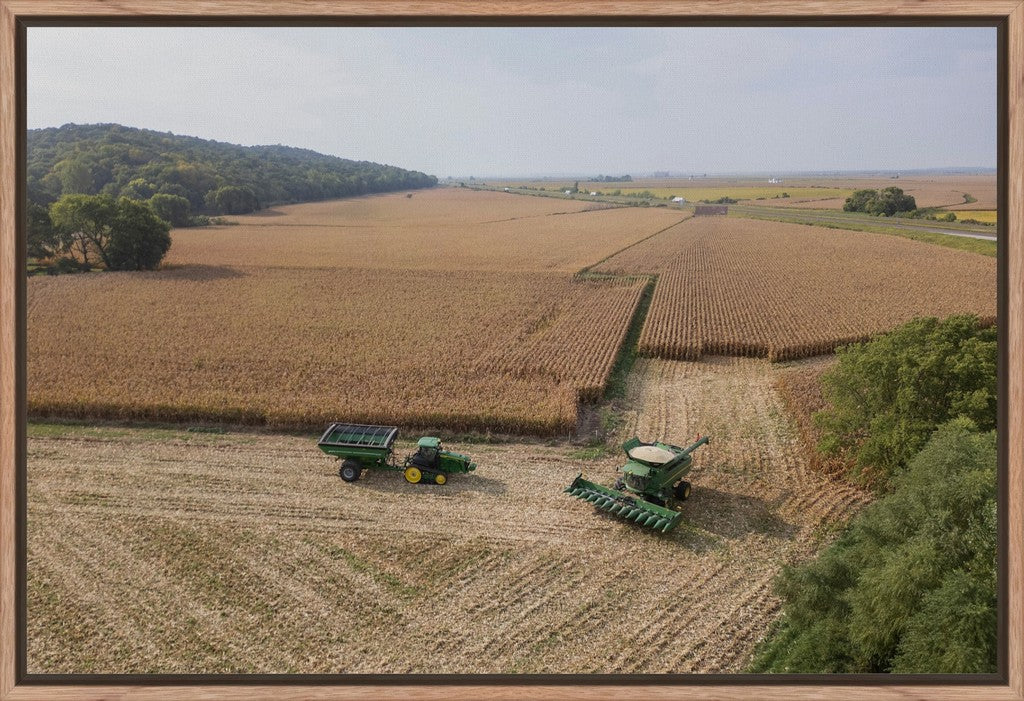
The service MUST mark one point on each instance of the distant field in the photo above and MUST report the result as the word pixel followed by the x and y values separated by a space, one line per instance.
pixel 769 289
pixel 696 194
pixel 437 230
pixel 822 192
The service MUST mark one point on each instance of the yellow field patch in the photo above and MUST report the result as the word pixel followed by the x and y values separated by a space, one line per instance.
pixel 301 347
pixel 983 215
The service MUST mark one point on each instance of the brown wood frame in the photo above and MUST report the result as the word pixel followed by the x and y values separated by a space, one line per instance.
pixel 1008 12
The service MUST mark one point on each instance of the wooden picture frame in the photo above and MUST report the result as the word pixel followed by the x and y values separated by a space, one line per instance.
pixel 1008 14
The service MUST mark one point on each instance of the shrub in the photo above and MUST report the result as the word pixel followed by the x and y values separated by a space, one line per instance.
pixel 887 395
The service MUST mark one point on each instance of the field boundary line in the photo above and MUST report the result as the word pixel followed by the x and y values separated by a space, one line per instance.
pixel 583 271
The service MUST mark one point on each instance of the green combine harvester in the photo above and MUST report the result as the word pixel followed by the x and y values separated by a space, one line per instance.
pixel 365 447
pixel 651 487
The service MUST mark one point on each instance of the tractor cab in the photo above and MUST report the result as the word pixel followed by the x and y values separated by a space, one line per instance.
pixel 428 450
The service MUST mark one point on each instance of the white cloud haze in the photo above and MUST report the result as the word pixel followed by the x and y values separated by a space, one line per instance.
pixel 529 101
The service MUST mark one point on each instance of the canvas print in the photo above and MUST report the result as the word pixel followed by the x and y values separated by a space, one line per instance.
pixel 511 350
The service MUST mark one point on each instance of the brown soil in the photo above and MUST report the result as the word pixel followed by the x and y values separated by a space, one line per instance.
pixel 176 552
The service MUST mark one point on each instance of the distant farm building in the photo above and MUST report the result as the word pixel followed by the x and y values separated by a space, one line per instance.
pixel 679 200
pixel 708 209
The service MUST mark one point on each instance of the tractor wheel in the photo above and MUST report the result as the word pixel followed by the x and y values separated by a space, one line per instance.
pixel 413 475
pixel 682 491
pixel 350 470
pixel 440 478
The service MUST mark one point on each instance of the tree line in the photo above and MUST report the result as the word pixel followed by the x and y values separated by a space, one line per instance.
pixel 910 584
pixel 214 177
pixel 88 186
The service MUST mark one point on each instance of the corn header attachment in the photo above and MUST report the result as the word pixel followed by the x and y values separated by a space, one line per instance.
pixel 650 490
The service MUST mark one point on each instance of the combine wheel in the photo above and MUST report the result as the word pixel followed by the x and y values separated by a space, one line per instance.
pixel 440 478
pixel 682 491
pixel 412 474
pixel 350 470
pixel 619 484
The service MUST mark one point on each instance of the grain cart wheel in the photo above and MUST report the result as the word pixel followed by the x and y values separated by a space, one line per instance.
pixel 412 474
pixel 350 470
pixel 440 478
pixel 682 491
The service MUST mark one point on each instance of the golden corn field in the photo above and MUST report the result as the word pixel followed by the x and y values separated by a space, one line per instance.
pixel 767 289
pixel 166 550
pixel 301 347
pixel 459 309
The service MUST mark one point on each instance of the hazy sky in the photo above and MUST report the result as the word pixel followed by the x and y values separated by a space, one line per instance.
pixel 534 101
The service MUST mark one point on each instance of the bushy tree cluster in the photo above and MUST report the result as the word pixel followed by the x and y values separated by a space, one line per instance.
pixel 911 585
pixel 112 160
pixel 887 395
pixel 887 202
pixel 121 234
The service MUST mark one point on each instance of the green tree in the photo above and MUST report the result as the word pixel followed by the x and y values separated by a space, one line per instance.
pixel 911 585
pixel 84 223
pixel 75 176
pixel 139 238
pixel 858 201
pixel 138 189
pixel 232 200
pixel 885 203
pixel 171 208
pixel 43 240
pixel 124 234
pixel 887 395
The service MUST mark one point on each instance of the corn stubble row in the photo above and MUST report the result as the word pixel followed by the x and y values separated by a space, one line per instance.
pixel 783 291
pixel 300 347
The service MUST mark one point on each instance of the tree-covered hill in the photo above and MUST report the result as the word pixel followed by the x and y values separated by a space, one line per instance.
pixel 214 177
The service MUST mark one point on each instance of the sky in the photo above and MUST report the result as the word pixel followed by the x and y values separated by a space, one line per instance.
pixel 515 101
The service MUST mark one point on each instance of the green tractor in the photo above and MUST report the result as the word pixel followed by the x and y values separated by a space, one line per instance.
pixel 651 488
pixel 366 447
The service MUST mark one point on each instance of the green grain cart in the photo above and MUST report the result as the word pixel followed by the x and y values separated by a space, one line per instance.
pixel 651 488
pixel 364 447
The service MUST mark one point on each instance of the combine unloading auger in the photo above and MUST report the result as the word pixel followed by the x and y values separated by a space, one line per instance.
pixel 651 487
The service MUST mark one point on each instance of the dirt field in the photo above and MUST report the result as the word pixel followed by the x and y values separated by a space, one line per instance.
pixel 169 551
